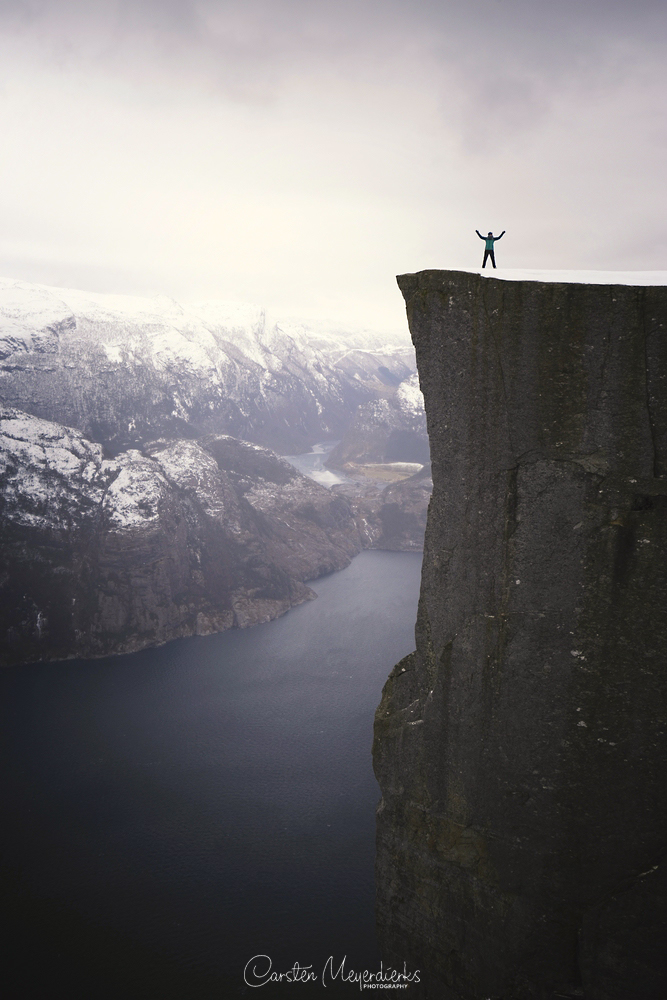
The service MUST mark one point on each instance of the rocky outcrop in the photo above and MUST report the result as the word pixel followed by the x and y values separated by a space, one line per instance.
pixel 125 370
pixel 390 429
pixel 521 750
pixel 106 556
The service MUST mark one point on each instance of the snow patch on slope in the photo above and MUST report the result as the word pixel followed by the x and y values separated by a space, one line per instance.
pixel 133 498
pixel 409 396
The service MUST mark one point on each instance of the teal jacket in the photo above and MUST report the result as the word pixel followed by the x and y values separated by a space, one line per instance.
pixel 489 240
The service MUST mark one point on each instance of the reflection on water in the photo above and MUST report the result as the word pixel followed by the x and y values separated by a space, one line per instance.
pixel 172 813
pixel 312 464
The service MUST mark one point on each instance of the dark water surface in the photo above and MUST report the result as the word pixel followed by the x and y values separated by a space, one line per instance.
pixel 169 814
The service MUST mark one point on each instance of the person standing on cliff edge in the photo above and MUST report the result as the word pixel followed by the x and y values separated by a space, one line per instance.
pixel 488 250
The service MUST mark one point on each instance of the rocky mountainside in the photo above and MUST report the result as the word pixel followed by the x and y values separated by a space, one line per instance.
pixel 521 750
pixel 124 370
pixel 133 512
pixel 393 518
pixel 389 429
pixel 184 537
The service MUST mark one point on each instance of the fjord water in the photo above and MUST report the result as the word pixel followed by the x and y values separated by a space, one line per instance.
pixel 172 813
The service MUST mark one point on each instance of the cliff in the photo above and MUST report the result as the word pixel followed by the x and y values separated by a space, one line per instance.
pixel 521 749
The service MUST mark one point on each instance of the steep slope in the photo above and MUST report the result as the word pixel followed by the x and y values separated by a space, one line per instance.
pixel 106 556
pixel 521 750
pixel 124 370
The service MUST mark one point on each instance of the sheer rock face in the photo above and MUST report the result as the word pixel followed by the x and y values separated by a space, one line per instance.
pixel 521 749
pixel 183 538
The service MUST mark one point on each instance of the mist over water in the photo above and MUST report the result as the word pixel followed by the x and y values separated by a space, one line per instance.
pixel 172 813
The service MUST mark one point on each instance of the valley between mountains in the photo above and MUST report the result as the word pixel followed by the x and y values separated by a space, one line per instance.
pixel 143 497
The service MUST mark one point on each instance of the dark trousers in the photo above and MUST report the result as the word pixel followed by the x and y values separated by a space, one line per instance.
pixel 489 253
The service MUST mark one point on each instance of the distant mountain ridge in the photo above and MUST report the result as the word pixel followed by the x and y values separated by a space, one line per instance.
pixel 124 370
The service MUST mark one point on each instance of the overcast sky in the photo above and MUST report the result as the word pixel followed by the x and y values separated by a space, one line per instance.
pixel 301 153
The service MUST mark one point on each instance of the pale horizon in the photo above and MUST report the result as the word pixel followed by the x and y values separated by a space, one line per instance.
pixel 298 155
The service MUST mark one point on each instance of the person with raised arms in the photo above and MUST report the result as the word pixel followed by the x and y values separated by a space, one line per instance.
pixel 488 249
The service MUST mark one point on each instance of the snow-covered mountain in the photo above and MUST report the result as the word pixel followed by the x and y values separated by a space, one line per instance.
pixel 124 370
pixel 102 556
pixel 132 513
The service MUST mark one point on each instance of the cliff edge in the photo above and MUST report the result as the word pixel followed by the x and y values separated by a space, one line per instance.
pixel 521 749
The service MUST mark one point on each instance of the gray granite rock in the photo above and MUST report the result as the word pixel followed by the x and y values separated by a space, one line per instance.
pixel 521 750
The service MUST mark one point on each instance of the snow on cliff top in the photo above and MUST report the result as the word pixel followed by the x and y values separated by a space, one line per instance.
pixel 580 277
